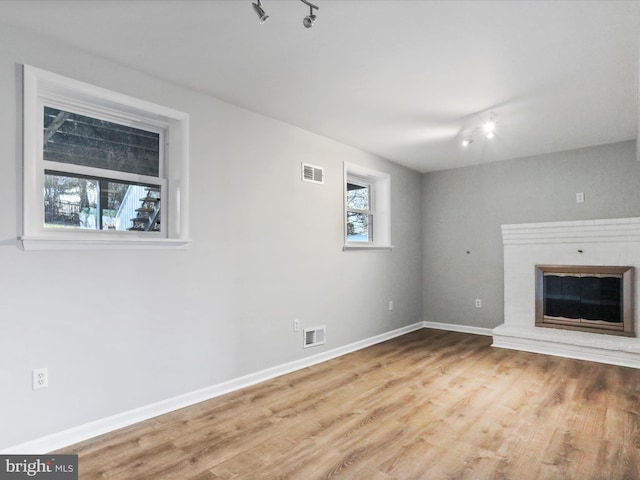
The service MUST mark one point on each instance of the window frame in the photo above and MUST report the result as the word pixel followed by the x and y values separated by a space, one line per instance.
pixel 45 88
pixel 379 211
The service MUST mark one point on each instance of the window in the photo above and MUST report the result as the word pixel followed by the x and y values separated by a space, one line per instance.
pixel 101 169
pixel 359 213
pixel 367 209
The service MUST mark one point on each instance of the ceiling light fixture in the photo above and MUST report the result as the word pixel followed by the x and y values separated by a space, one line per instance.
pixel 488 129
pixel 307 21
pixel 257 7
pixel 490 126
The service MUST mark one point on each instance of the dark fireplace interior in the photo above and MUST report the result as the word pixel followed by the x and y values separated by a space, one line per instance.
pixel 588 298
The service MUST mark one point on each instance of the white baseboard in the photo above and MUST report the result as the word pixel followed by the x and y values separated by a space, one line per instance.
pixel 452 327
pixel 89 430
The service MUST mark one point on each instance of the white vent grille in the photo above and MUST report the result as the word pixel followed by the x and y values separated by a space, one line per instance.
pixel 313 174
pixel 314 336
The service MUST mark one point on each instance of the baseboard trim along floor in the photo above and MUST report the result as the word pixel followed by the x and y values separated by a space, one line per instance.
pixel 452 327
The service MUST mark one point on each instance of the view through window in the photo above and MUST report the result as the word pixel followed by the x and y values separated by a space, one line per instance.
pixel 359 217
pixel 79 146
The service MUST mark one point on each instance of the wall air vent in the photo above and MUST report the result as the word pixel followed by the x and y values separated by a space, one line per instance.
pixel 313 174
pixel 314 336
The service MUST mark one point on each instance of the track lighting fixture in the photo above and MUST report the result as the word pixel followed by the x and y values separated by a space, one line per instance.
pixel 490 126
pixel 488 130
pixel 307 21
pixel 257 7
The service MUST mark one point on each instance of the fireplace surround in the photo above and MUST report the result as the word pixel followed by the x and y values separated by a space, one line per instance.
pixel 580 243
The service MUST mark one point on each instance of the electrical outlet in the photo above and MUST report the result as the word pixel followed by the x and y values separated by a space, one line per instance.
pixel 296 325
pixel 390 305
pixel 478 303
pixel 580 197
pixel 40 378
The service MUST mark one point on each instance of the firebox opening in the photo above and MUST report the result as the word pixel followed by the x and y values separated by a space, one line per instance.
pixel 587 298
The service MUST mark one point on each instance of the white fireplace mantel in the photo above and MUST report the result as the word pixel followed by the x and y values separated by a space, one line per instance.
pixel 585 242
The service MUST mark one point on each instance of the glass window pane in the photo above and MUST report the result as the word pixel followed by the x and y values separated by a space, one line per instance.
pixel 90 142
pixel 70 202
pixel 133 207
pixel 357 196
pixel 358 227
pixel 74 202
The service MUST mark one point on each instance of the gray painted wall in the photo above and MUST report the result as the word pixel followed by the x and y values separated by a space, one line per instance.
pixel 266 249
pixel 463 210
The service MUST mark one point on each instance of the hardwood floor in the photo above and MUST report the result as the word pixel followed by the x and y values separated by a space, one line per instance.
pixel 427 405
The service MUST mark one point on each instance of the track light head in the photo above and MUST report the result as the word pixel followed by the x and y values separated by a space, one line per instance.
pixel 490 126
pixel 257 7
pixel 309 20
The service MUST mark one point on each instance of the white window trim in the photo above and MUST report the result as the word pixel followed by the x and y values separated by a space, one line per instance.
pixel 42 87
pixel 380 199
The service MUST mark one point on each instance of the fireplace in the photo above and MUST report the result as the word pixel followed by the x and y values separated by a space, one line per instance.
pixel 594 299
pixel 529 246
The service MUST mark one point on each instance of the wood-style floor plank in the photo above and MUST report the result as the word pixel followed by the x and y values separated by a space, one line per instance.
pixel 428 405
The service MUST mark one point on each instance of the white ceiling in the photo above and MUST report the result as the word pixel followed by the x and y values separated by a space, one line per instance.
pixel 406 80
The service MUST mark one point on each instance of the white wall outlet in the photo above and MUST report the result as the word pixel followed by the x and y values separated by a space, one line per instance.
pixel 296 325
pixel 478 303
pixel 390 305
pixel 580 197
pixel 40 378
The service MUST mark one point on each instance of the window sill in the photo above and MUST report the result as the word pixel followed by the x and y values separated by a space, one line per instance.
pixel 44 243
pixel 362 248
